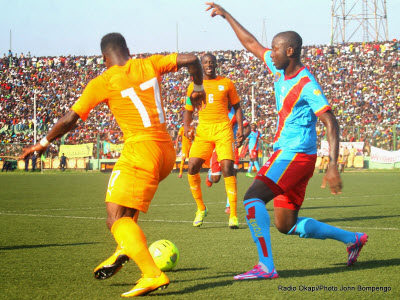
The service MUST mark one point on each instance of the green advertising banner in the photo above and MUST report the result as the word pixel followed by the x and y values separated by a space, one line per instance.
pixel 107 147
pixel 72 151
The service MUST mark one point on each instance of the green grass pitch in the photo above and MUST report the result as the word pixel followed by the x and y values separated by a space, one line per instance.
pixel 53 234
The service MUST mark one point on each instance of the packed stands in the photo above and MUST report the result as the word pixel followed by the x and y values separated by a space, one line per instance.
pixel 360 81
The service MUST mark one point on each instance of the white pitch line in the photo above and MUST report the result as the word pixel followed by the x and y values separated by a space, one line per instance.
pixel 373 228
pixel 51 216
pixel 338 197
pixel 164 221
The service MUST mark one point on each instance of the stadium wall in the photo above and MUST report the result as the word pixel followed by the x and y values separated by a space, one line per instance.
pixel 106 165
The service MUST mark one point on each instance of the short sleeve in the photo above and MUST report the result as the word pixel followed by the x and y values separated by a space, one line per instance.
pixel 91 96
pixel 165 64
pixel 314 96
pixel 233 95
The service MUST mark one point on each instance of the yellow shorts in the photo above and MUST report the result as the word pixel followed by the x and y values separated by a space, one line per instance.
pixel 138 171
pixel 186 148
pixel 210 136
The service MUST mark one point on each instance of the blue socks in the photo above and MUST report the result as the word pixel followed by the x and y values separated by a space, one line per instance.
pixel 258 220
pixel 257 165
pixel 310 228
pixel 250 167
pixel 259 224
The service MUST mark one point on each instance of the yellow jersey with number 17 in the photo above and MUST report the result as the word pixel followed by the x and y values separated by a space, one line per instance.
pixel 133 94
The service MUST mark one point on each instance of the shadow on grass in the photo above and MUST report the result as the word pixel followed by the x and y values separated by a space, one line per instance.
pixel 211 283
pixel 372 264
pixel 187 270
pixel 360 265
pixel 212 225
pixel 169 272
pixel 241 226
pixel 197 287
pixel 18 247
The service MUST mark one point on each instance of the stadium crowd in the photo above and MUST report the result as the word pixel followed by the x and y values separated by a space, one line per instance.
pixel 360 81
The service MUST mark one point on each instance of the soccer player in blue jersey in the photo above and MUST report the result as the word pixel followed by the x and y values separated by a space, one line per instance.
pixel 284 178
pixel 253 140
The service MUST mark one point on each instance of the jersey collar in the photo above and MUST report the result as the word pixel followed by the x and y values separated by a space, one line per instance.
pixel 297 73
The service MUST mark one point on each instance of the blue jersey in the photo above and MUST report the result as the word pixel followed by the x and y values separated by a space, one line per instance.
pixel 254 137
pixel 299 100
pixel 232 118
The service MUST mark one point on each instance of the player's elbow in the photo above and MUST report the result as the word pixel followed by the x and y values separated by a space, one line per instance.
pixel 186 60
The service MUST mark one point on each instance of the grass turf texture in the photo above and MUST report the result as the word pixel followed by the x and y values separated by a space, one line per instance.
pixel 54 234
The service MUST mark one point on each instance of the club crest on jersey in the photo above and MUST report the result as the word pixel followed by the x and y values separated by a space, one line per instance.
pixel 277 76
pixel 221 87
pixel 317 92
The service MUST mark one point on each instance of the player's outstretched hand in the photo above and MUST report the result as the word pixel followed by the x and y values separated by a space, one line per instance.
pixel 186 133
pixel 333 178
pixel 217 10
pixel 198 100
pixel 28 151
pixel 239 138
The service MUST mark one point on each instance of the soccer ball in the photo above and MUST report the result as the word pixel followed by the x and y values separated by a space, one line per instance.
pixel 165 254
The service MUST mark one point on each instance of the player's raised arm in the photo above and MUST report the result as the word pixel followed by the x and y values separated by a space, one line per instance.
pixel 246 38
pixel 198 96
pixel 332 128
pixel 65 124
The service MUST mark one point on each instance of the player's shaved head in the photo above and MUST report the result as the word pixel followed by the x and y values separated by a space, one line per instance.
pixel 209 55
pixel 291 39
pixel 114 43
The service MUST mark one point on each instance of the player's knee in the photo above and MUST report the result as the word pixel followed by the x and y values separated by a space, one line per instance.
pixel 193 169
pixel 215 178
pixel 110 221
pixel 283 227
pixel 227 168
pixel 253 193
pixel 259 190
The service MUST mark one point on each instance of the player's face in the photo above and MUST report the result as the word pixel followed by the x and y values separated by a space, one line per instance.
pixel 253 127
pixel 209 65
pixel 278 53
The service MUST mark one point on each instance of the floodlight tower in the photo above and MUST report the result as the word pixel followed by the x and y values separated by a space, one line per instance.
pixel 349 17
pixel 264 34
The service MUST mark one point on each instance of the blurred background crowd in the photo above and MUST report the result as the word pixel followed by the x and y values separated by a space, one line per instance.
pixel 360 80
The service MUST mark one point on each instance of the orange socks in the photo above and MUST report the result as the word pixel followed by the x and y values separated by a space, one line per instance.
pixel 195 188
pixel 181 168
pixel 231 189
pixel 129 236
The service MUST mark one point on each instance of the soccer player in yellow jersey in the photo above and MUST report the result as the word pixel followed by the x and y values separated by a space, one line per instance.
pixel 186 145
pixel 131 89
pixel 214 131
